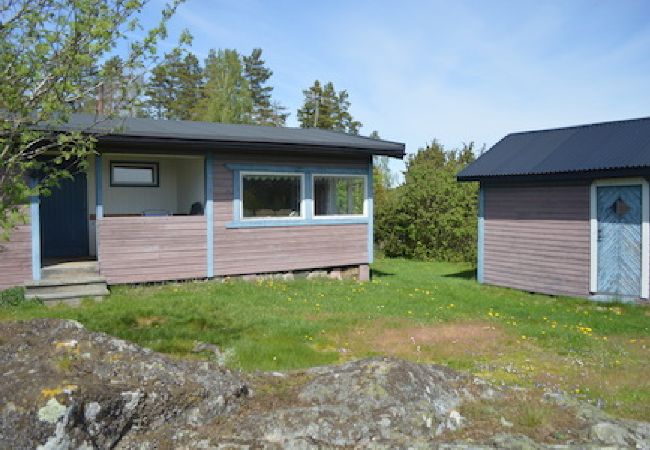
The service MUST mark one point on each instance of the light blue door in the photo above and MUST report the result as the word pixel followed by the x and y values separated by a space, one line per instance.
pixel 619 240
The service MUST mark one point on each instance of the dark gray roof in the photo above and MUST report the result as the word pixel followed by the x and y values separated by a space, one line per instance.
pixel 603 146
pixel 183 130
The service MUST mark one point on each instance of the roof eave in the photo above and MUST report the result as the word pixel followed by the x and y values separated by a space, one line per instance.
pixel 587 174
pixel 227 144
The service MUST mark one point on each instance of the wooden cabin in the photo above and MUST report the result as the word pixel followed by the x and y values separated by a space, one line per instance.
pixel 176 200
pixel 565 211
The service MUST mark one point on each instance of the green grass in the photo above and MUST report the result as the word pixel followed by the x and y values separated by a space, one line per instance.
pixel 425 311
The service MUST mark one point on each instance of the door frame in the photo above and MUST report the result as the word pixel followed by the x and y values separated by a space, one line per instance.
pixel 645 230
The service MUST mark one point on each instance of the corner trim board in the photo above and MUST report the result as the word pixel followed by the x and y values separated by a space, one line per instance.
pixel 480 235
pixel 34 207
pixel 370 211
pixel 99 188
pixel 209 211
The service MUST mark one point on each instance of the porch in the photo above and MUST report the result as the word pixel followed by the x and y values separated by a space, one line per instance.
pixel 132 217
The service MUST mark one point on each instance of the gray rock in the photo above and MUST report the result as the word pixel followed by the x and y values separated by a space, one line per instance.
pixel 107 399
pixel 611 434
pixel 67 388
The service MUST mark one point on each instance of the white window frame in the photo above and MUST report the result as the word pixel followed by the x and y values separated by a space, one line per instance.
pixel 300 175
pixel 645 230
pixel 339 216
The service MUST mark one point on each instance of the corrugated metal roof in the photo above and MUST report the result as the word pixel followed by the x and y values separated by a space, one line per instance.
pixel 601 146
pixel 227 133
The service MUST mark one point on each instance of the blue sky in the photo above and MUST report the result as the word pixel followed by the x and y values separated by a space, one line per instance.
pixel 456 71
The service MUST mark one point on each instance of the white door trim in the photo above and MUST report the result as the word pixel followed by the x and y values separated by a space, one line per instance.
pixel 645 230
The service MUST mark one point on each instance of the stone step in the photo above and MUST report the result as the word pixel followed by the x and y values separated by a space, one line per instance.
pixel 70 281
pixel 70 269
pixel 94 291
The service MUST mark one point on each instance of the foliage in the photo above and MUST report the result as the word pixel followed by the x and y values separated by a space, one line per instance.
pixel 430 216
pixel 175 86
pixel 49 50
pixel 226 95
pixel 328 109
pixel 12 296
pixel 502 335
pixel 265 111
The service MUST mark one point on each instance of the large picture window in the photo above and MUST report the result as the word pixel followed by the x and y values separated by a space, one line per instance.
pixel 339 195
pixel 266 195
pixel 134 174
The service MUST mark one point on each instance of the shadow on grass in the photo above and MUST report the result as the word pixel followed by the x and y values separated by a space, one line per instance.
pixel 381 274
pixel 465 274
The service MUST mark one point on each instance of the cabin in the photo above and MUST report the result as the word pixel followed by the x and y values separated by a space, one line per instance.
pixel 565 211
pixel 179 200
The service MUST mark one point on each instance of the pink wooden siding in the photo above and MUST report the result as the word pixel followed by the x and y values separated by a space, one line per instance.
pixel 272 249
pixel 16 257
pixel 142 249
pixel 537 238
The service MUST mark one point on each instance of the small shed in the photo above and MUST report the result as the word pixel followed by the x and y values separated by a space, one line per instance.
pixel 565 211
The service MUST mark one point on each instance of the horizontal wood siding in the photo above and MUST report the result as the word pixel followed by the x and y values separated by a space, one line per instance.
pixel 274 249
pixel 537 238
pixel 142 249
pixel 16 257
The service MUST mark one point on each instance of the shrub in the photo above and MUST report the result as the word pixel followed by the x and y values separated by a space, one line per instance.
pixel 431 215
pixel 12 296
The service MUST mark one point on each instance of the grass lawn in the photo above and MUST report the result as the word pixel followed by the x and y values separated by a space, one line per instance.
pixel 429 312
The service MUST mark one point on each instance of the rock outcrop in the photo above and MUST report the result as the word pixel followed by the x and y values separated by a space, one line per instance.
pixel 64 387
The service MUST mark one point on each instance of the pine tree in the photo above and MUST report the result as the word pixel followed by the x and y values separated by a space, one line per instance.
pixel 265 111
pixel 175 86
pixel 117 90
pixel 324 108
pixel 226 96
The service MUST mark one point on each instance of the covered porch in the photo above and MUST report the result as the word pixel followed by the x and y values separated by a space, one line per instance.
pixel 140 216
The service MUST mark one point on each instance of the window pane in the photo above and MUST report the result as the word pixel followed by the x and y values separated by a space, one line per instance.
pixel 132 175
pixel 271 195
pixel 337 195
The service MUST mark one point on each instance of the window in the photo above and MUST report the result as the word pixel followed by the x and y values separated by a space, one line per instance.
pixel 266 195
pixel 339 195
pixel 134 174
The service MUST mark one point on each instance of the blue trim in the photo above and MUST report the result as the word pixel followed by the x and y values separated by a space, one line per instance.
pixel 236 195
pixel 309 196
pixel 99 190
pixel 34 208
pixel 371 209
pixel 262 223
pixel 309 219
pixel 481 234
pixel 209 211
pixel 295 169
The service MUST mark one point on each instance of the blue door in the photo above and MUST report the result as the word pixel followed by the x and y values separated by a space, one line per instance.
pixel 64 220
pixel 619 240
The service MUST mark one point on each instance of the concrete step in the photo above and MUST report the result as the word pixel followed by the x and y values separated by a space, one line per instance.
pixel 53 300
pixel 72 292
pixel 70 281
pixel 73 269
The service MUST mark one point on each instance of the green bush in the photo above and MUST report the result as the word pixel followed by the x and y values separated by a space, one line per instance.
pixel 12 296
pixel 431 215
